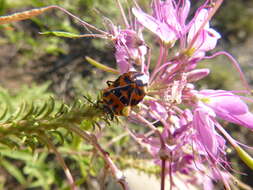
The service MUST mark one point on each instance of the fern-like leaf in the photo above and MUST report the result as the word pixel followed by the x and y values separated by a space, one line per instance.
pixel 31 119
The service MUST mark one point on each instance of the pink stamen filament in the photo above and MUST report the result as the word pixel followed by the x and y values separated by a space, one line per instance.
pixel 123 14
pixel 85 24
pixel 160 59
pixel 235 64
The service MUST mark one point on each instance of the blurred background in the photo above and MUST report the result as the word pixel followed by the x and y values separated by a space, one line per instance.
pixel 34 65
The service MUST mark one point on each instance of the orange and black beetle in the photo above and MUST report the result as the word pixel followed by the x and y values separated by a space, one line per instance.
pixel 125 92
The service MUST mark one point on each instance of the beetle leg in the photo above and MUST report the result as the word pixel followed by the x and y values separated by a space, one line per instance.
pixel 109 82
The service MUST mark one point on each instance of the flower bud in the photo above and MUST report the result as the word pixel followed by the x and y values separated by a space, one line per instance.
pixel 197 74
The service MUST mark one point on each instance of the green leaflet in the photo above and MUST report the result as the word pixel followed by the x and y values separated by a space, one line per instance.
pixel 13 170
pixel 101 66
pixel 23 155
pixel 62 34
pixel 4 113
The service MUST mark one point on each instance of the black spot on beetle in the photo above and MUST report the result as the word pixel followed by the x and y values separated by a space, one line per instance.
pixel 130 92
pixel 126 88
pixel 139 92
pixel 134 102
pixel 116 83
pixel 105 94
pixel 114 108
pixel 110 102
pixel 127 80
pixel 124 100
pixel 116 92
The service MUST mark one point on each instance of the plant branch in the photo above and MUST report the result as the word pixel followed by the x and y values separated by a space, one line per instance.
pixel 117 174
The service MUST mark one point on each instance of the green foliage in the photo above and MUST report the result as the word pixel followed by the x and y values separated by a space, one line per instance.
pixel 234 20
pixel 23 127
pixel 30 119
pixel 25 34
pixel 2 6
pixel 220 76
pixel 10 100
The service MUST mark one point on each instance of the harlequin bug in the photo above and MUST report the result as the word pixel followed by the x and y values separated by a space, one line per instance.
pixel 125 92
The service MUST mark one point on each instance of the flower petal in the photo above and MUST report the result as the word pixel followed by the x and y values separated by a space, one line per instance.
pixel 229 107
pixel 159 110
pixel 207 37
pixel 157 27
pixel 205 130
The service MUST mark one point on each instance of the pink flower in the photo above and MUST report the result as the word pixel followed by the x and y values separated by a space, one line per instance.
pixel 207 138
pixel 229 107
pixel 129 50
pixel 197 74
pixel 168 19
pixel 158 110
pixel 206 38
pixel 183 127
pixel 156 26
